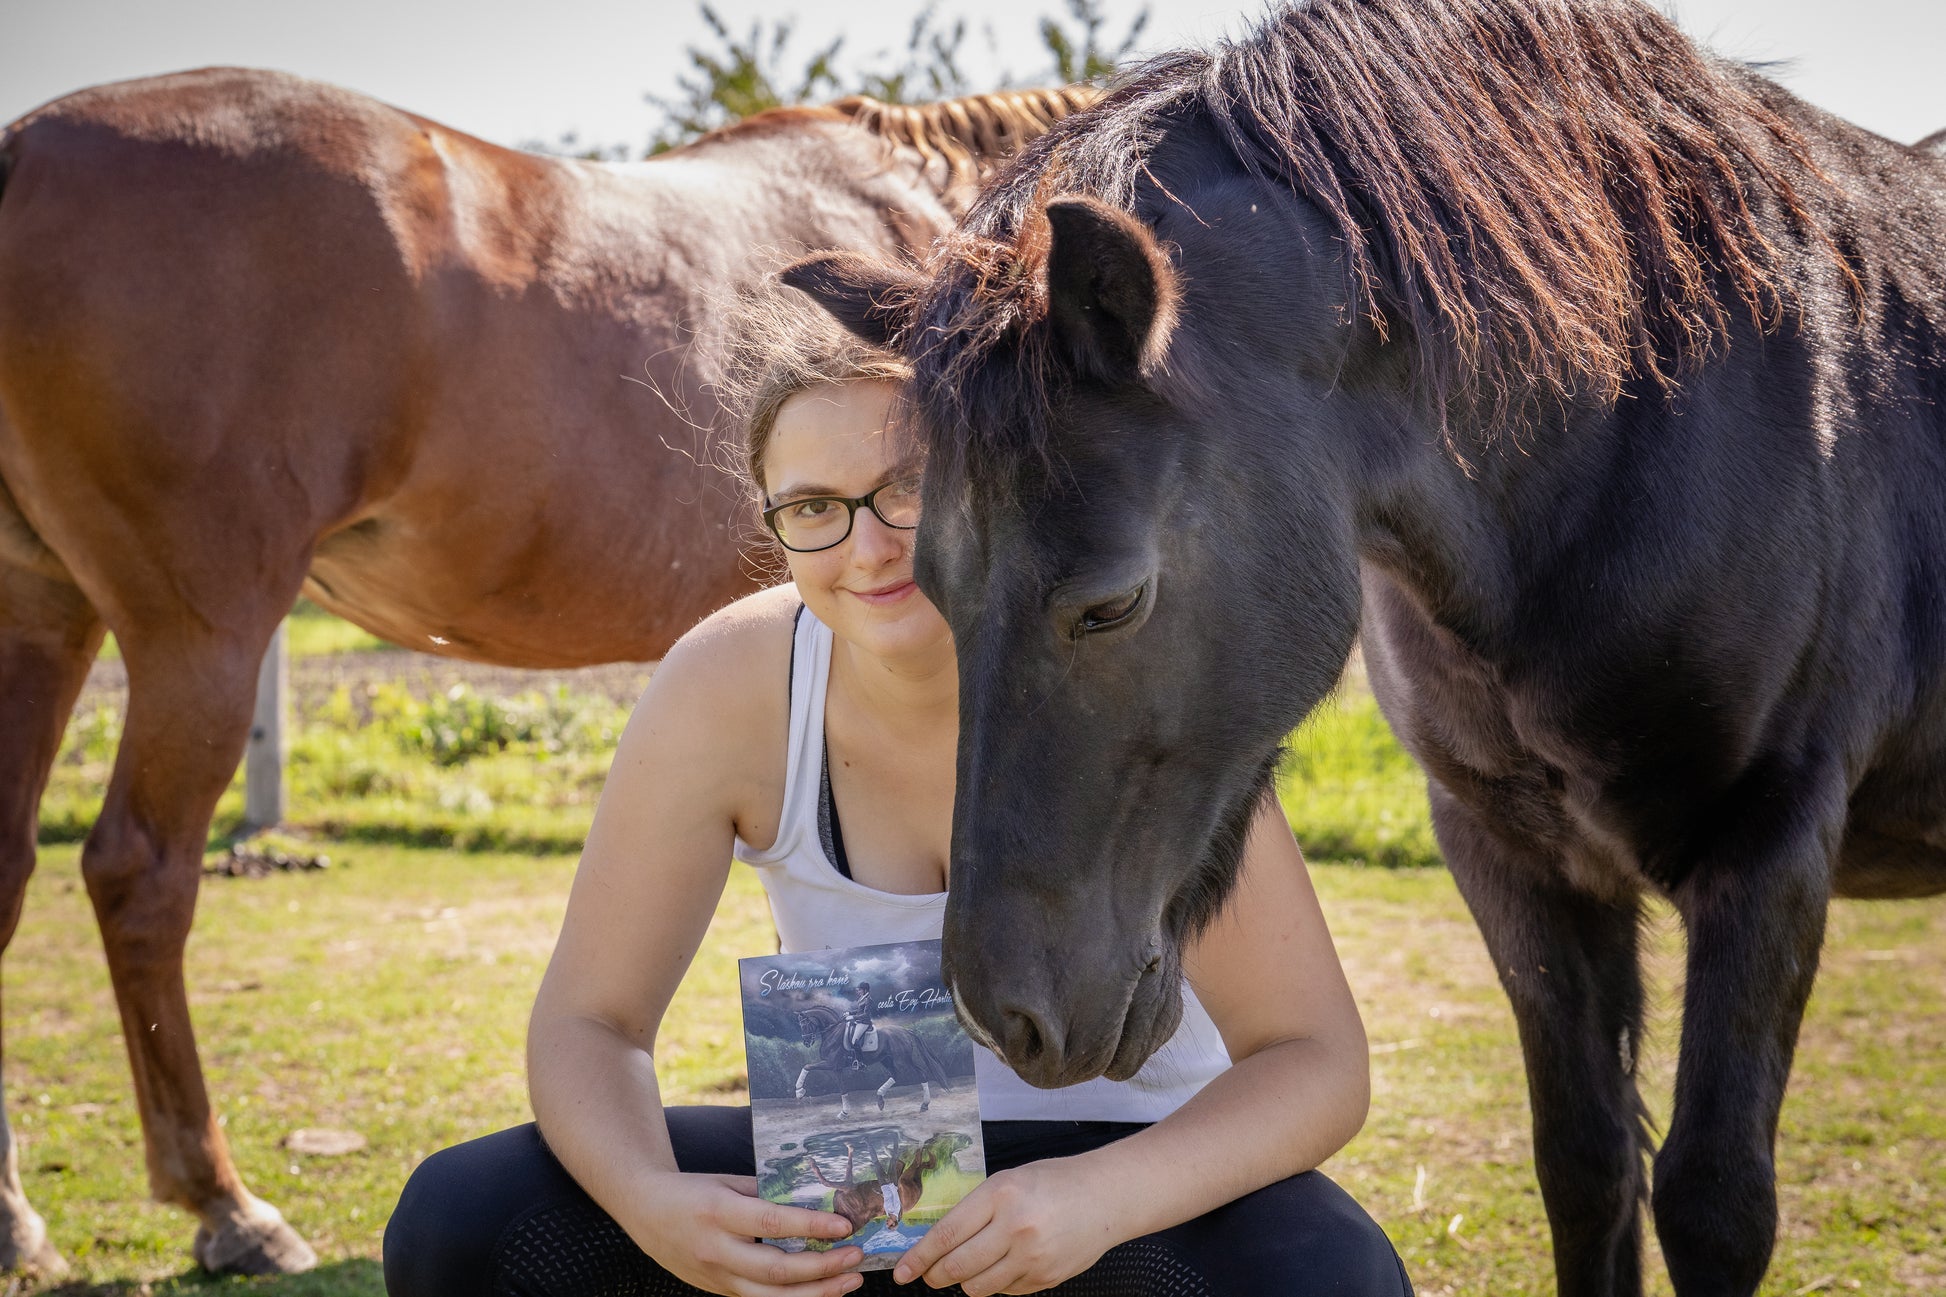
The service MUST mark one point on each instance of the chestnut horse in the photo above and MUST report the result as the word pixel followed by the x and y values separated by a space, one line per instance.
pixel 1601 385
pixel 260 336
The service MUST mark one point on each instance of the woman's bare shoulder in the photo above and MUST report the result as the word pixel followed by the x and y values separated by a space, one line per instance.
pixel 744 643
pixel 755 624
pixel 723 690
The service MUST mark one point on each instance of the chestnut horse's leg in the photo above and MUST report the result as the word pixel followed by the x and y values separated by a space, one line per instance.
pixel 191 692
pixel 1755 915
pixel 1570 966
pixel 48 635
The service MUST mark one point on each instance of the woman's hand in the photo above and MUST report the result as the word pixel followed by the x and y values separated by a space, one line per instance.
pixel 1021 1231
pixel 703 1229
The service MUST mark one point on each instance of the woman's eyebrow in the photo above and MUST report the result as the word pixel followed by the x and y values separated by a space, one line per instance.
pixel 797 489
pixel 910 466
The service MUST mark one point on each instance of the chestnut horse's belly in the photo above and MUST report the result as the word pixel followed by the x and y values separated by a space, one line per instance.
pixel 602 563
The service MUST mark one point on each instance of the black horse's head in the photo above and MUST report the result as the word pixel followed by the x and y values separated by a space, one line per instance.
pixel 1146 594
pixel 1208 345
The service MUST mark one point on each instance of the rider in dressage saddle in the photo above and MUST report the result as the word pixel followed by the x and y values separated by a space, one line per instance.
pixel 858 1024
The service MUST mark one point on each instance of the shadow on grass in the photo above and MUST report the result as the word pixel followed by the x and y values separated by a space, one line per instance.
pixel 337 1279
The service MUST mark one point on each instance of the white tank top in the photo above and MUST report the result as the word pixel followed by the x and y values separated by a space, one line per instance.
pixel 818 908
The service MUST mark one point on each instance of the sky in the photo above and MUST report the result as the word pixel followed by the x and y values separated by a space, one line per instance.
pixel 515 71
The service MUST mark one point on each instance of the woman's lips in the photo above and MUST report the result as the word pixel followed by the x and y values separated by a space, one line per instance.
pixel 889 595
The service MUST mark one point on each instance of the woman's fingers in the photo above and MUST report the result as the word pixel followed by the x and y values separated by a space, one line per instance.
pixel 967 1218
pixel 769 1269
pixel 836 1286
pixel 755 1217
pixel 978 1255
pixel 1006 1276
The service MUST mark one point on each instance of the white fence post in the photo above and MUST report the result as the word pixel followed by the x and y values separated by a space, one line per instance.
pixel 263 760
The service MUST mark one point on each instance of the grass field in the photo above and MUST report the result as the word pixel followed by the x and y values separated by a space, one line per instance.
pixel 388 995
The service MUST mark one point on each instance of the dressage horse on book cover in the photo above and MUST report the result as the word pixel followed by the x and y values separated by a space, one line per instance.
pixel 906 1056
pixel 262 337
pixel 1601 385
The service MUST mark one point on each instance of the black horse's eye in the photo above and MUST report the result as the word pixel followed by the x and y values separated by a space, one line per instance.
pixel 1113 613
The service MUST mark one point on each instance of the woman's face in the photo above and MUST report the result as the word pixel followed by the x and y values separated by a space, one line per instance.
pixel 834 440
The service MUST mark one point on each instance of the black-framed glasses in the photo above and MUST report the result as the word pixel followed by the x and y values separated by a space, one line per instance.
pixel 821 521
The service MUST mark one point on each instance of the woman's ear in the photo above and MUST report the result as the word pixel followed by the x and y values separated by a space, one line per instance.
pixel 874 299
pixel 1111 292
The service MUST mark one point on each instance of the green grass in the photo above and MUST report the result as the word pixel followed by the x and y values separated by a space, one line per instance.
pixel 1351 792
pixel 389 995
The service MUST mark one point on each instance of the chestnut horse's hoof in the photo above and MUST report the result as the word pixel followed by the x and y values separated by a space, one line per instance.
pixel 26 1249
pixel 252 1239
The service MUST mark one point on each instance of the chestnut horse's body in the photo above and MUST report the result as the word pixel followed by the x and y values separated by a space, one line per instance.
pixel 260 337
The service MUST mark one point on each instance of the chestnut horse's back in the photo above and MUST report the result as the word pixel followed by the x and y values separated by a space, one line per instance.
pixel 301 332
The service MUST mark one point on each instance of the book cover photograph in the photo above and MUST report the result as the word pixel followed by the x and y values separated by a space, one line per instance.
pixel 862 1095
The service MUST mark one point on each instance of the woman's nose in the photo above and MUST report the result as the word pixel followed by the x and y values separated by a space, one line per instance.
pixel 873 541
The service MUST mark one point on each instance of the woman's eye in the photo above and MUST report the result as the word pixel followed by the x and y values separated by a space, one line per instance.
pixel 1104 615
pixel 811 510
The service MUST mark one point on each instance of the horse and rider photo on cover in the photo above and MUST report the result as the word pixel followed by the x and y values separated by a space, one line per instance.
pixel 862 1091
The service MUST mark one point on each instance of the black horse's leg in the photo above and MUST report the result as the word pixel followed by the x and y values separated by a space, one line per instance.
pixel 1755 912
pixel 1569 964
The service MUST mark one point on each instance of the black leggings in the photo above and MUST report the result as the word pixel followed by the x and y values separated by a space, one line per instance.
pixel 500 1217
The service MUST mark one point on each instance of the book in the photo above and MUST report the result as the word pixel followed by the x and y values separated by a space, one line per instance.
pixel 862 1094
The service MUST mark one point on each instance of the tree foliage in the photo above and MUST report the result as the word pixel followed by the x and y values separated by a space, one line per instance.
pixel 758 69
pixel 746 76
pixel 1090 58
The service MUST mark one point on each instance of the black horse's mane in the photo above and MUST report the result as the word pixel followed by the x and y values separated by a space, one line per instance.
pixel 1546 199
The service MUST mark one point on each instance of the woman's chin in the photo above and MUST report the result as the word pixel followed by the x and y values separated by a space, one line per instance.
pixel 904 633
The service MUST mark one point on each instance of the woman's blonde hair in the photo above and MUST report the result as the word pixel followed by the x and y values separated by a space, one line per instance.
pixel 784 344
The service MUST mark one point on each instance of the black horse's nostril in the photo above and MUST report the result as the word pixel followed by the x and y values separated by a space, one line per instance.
pixel 1024 1039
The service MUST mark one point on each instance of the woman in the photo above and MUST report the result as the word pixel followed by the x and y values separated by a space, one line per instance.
pixel 1191 1178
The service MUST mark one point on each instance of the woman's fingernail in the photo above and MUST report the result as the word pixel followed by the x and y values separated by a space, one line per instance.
pixel 902 1274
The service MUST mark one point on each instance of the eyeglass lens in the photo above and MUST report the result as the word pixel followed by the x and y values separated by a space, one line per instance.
pixel 823 521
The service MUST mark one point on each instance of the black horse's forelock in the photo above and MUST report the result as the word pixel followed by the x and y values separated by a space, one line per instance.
pixel 1549 201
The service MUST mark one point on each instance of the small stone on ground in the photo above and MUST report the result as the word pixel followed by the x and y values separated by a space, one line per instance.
pixel 323 1141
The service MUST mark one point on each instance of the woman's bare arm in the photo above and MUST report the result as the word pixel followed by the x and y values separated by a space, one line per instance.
pixel 691 765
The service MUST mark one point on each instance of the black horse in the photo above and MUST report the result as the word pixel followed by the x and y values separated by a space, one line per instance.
pixel 904 1054
pixel 1603 383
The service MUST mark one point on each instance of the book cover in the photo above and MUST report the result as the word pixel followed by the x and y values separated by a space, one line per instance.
pixel 862 1094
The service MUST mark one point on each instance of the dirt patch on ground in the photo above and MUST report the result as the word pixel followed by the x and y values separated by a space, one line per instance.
pixel 313 679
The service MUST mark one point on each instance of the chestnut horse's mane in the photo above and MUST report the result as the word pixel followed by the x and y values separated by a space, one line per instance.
pixel 1545 199
pixel 970 135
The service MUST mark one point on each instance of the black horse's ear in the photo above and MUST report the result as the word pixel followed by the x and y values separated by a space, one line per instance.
pixel 1111 292
pixel 874 299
